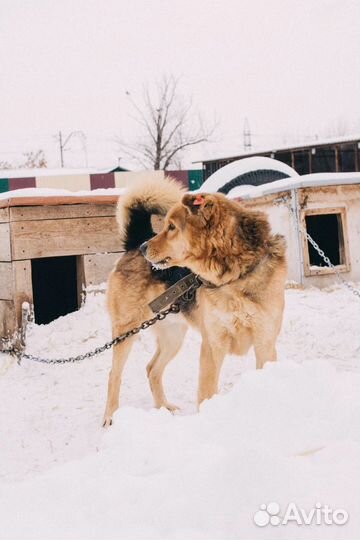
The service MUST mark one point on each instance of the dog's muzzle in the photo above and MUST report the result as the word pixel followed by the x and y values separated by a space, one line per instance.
pixel 143 248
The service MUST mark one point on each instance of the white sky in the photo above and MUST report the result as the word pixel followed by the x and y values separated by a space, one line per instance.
pixel 291 66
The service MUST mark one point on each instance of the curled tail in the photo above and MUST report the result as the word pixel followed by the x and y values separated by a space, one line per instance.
pixel 135 208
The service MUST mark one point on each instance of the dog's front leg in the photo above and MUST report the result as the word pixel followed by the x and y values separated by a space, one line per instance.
pixel 264 352
pixel 120 355
pixel 170 337
pixel 211 359
pixel 264 339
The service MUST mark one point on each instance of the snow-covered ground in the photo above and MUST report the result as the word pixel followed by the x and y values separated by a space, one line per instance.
pixel 287 434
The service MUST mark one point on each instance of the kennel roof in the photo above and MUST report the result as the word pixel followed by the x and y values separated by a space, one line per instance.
pixel 54 197
pixel 296 182
pixel 44 171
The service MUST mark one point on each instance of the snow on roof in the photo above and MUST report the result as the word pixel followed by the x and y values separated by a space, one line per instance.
pixel 231 154
pixel 43 171
pixel 242 166
pixel 243 191
pixel 296 182
pixel 47 192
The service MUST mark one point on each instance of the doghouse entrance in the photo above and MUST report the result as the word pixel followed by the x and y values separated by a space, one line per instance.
pixel 55 287
pixel 327 228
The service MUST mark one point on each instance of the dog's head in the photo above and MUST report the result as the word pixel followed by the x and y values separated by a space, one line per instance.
pixel 207 233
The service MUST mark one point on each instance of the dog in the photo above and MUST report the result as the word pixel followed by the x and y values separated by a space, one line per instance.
pixel 166 234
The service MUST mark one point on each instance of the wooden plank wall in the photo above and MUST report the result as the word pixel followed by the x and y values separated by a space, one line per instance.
pixel 98 267
pixel 87 230
pixel 15 286
pixel 6 281
pixel 5 247
pixel 51 231
pixel 38 213
pixel 60 237
pixel 4 215
pixel 23 291
pixel 7 319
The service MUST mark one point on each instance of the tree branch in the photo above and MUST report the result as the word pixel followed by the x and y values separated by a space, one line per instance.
pixel 167 125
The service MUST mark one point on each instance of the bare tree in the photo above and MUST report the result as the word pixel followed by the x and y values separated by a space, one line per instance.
pixel 34 160
pixel 168 125
pixel 5 164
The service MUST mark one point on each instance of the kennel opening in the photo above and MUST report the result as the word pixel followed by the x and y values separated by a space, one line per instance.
pixel 55 287
pixel 328 228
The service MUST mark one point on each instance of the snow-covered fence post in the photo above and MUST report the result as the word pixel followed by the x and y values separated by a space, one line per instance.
pixel 25 317
pixel 295 216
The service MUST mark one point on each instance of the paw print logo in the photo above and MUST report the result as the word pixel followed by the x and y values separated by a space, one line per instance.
pixel 268 513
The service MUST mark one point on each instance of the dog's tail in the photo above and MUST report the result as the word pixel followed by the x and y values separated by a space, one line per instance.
pixel 152 197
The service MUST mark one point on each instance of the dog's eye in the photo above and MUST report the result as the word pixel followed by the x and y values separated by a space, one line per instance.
pixel 171 227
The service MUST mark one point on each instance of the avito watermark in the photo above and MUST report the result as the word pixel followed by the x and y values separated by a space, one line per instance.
pixel 320 514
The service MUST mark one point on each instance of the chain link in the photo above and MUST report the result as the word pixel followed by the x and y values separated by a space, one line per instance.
pixel 173 308
pixel 326 259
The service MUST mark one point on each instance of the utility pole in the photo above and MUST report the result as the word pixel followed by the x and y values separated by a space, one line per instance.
pixel 247 136
pixel 62 144
pixel 61 150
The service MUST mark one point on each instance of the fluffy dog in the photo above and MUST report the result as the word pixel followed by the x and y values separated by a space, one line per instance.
pixel 227 245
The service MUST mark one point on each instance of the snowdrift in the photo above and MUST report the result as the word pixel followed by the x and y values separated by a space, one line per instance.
pixel 287 434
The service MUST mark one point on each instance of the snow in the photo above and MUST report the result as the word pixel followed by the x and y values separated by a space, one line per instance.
pixel 213 183
pixel 286 184
pixel 288 433
pixel 241 166
pixel 44 171
pixel 52 192
pixel 294 181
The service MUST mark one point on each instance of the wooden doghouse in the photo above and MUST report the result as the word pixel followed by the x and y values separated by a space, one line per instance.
pixel 51 248
pixel 327 207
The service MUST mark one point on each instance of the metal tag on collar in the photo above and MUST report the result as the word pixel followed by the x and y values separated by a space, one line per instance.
pixel 187 283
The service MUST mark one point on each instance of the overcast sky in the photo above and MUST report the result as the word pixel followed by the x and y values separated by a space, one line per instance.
pixel 292 67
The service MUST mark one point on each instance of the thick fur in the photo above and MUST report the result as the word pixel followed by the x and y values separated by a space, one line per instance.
pixel 135 208
pixel 227 245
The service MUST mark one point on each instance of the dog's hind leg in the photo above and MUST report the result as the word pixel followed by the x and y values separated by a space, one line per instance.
pixel 170 337
pixel 120 354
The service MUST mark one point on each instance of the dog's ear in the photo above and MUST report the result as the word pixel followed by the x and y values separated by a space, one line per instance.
pixel 202 204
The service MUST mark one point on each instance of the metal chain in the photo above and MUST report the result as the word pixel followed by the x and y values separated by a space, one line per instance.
pixel 326 259
pixel 173 308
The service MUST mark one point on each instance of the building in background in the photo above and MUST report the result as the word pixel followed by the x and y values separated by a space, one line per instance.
pixel 88 179
pixel 336 155
pixel 325 206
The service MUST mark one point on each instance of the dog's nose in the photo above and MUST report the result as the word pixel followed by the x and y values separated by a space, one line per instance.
pixel 143 248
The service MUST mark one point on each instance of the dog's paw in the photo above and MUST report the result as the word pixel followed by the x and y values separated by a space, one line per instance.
pixel 169 406
pixel 107 422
